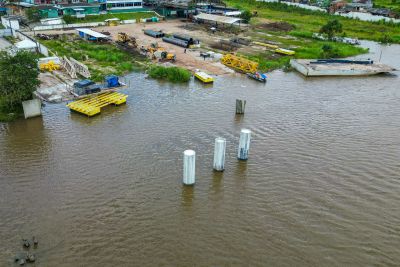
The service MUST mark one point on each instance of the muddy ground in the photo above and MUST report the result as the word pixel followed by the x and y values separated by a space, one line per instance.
pixel 191 59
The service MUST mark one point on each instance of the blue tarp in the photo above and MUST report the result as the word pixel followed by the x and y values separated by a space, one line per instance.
pixel 112 80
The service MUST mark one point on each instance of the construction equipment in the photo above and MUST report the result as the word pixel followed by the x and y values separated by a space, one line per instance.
pixel 164 56
pixel 49 66
pixel 239 63
pixel 154 51
pixel 126 40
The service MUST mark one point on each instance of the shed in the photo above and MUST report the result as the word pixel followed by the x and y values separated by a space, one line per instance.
pixel 215 19
pixel 91 35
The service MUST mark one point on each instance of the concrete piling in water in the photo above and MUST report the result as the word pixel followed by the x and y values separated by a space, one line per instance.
pixel 189 167
pixel 240 106
pixel 244 144
pixel 219 154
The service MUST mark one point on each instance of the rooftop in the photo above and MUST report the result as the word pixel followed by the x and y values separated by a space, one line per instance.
pixel 216 18
pixel 93 33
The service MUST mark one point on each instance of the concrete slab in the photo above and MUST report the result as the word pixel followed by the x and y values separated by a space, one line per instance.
pixel 32 108
pixel 310 68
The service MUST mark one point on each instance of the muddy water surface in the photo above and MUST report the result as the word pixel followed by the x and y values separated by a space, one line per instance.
pixel 321 187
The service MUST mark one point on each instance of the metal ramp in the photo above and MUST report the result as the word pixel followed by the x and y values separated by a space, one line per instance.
pixel 239 63
pixel 92 105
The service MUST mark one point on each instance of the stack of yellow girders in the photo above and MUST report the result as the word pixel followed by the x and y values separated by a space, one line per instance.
pixel 239 63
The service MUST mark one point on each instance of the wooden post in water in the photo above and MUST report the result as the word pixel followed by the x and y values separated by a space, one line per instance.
pixel 244 144
pixel 189 167
pixel 219 154
pixel 240 106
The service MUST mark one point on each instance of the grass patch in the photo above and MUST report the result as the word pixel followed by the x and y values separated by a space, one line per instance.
pixel 311 21
pixel 303 45
pixel 171 74
pixel 102 59
pixel 103 17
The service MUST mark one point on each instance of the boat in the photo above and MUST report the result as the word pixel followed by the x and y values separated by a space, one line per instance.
pixel 261 77
pixel 204 77
pixel 285 51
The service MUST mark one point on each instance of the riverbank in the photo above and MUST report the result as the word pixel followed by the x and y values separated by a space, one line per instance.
pixel 263 31
pixel 308 21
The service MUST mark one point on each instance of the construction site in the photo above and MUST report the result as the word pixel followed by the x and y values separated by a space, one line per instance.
pixel 204 44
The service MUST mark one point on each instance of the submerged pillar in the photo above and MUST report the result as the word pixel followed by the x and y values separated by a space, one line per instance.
pixel 244 144
pixel 240 106
pixel 189 167
pixel 219 154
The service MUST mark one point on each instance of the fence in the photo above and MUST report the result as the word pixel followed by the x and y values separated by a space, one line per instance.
pixel 77 25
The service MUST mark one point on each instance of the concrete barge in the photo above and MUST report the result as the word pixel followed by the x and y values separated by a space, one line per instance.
pixel 310 68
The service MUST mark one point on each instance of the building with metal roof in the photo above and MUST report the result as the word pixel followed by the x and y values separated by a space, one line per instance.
pixel 91 35
pixel 215 19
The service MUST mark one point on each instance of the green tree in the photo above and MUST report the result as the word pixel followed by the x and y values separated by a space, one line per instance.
pixel 331 28
pixel 246 16
pixel 18 79
pixel 33 14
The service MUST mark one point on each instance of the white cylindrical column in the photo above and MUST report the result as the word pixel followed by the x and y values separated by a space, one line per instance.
pixel 244 144
pixel 219 154
pixel 189 167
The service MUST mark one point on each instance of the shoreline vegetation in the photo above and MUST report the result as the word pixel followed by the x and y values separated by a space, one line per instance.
pixel 171 74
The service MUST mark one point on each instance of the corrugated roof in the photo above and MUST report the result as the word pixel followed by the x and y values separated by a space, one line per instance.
pixel 216 18
pixel 92 33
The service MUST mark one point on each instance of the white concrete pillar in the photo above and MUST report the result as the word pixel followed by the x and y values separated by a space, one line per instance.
pixel 189 167
pixel 244 144
pixel 219 154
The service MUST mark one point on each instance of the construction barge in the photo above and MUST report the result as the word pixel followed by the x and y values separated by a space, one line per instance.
pixel 338 67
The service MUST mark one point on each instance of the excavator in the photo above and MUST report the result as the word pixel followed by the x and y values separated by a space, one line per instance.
pixel 126 41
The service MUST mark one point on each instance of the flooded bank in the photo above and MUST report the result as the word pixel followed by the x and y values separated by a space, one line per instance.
pixel 320 188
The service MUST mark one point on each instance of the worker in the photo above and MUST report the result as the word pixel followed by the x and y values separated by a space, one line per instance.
pixel 184 51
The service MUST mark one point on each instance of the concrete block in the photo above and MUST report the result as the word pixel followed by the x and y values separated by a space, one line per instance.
pixel 32 108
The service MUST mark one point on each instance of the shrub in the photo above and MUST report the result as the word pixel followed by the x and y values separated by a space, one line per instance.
pixel 172 74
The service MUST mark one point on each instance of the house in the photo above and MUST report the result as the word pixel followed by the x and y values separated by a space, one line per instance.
pixel 79 9
pixel 47 11
pixel 120 6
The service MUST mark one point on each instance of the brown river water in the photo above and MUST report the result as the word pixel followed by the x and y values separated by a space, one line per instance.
pixel 321 186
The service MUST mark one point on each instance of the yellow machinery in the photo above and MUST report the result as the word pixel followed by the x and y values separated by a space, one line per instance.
pixel 91 105
pixel 49 66
pixel 239 63
pixel 126 40
pixel 155 51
